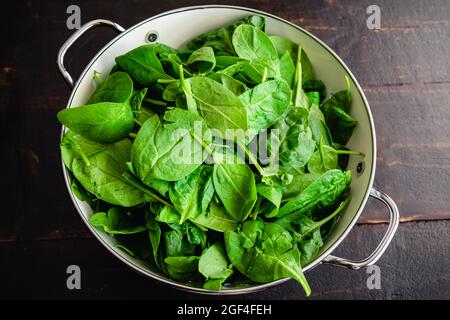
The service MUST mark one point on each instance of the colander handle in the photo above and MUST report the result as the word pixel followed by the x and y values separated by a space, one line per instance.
pixel 74 37
pixel 378 252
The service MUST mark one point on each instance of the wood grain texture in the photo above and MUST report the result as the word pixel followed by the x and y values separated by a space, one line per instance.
pixel 403 68
pixel 410 269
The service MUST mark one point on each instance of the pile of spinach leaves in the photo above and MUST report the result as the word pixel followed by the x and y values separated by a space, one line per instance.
pixel 207 220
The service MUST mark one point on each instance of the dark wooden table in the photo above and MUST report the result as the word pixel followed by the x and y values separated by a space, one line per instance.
pixel 403 68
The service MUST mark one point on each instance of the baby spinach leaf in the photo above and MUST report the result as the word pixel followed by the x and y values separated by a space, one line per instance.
pixel 323 192
pixel 266 103
pixel 168 215
pixel 223 62
pixel 273 195
pixel 125 249
pixel 287 68
pixel 176 245
pixel 316 86
pixel 296 145
pixel 314 99
pixel 248 72
pixel 307 69
pixel 117 87
pixel 318 127
pixel 341 99
pixel 235 86
pixel 300 97
pixel 308 243
pixel 220 39
pixel 141 114
pixel 341 124
pixel 104 122
pixel 102 174
pixel 235 185
pixel 163 51
pixel 172 91
pixel 142 64
pixel 264 252
pixel 192 194
pixel 324 158
pixel 214 284
pixel 256 21
pixel 80 192
pixel 183 239
pixel 252 44
pixel 147 190
pixel 74 146
pixel 154 234
pixel 214 264
pixel 193 233
pixel 307 233
pixel 115 222
pixel 309 247
pixel 107 117
pixel 220 108
pixel 299 183
pixel 168 152
pixel 181 268
pixel 283 45
pixel 202 60
pixel 216 218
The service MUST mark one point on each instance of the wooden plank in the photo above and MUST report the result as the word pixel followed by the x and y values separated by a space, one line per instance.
pixel 38 270
pixel 412 135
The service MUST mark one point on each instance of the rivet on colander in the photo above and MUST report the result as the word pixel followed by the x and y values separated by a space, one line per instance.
pixel 152 36
pixel 360 168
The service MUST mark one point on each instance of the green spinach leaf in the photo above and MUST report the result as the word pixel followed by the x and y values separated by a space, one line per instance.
pixel 220 39
pixel 341 124
pixel 192 194
pixel 220 108
pixel 266 103
pixel 170 151
pixel 115 222
pixel 99 169
pixel 234 85
pixel 104 122
pixel 202 60
pixel 181 267
pixel 287 68
pixel 252 44
pixel 323 192
pixel 265 252
pixel 214 264
pixel 143 65
pixel 235 185
pixel 216 218
pixel 273 195
pixel 117 87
